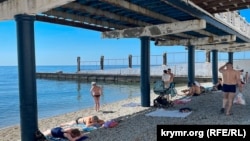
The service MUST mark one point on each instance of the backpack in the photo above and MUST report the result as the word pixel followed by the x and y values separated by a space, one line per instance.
pixel 159 87
pixel 162 102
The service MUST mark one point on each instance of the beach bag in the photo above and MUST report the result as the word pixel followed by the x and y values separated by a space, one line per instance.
pixel 239 99
pixel 159 87
pixel 161 102
pixel 110 124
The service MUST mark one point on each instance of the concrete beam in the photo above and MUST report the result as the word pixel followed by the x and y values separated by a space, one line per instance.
pixel 156 30
pixel 94 22
pixel 198 41
pixel 11 8
pixel 141 10
pixel 233 47
pixel 146 12
pixel 101 13
pixel 117 17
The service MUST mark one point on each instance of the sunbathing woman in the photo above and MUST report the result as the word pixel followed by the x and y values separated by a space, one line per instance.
pixel 88 121
pixel 71 134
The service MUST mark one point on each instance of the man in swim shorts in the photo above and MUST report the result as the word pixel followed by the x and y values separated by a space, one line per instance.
pixel 231 78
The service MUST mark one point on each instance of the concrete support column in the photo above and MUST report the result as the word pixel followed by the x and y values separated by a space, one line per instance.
pixel 130 61
pixel 230 57
pixel 145 71
pixel 215 66
pixel 27 76
pixel 208 56
pixel 78 64
pixel 102 62
pixel 165 59
pixel 191 64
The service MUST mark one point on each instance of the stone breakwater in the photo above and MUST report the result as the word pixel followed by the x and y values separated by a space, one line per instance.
pixel 134 125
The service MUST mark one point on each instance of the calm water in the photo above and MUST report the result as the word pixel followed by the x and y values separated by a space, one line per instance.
pixel 54 97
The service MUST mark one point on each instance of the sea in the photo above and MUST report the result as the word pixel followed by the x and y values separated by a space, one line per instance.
pixel 56 97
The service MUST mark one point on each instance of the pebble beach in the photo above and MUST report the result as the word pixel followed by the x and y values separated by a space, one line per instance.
pixel 135 125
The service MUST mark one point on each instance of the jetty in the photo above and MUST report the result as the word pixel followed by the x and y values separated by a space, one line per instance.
pixel 116 78
pixel 130 74
pixel 203 73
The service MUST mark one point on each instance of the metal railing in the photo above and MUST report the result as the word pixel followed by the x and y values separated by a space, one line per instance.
pixel 172 59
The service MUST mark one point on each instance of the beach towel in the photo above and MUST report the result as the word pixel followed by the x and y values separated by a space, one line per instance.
pixel 131 104
pixel 110 124
pixel 166 113
pixel 83 127
pixel 182 101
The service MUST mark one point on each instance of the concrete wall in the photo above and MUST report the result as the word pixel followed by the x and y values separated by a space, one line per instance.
pixel 203 73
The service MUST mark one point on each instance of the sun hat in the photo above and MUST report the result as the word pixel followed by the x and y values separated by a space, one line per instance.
pixel 93 83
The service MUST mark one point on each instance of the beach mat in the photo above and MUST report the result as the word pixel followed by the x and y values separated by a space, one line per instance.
pixel 166 113
pixel 83 127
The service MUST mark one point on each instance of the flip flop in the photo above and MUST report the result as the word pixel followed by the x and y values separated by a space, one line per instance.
pixel 229 114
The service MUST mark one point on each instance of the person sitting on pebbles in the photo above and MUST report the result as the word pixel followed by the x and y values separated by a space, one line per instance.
pixel 218 86
pixel 88 121
pixel 194 90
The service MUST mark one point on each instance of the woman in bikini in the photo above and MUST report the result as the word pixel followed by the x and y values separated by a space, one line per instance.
pixel 96 92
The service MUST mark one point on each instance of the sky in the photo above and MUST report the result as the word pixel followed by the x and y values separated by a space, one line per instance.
pixel 61 45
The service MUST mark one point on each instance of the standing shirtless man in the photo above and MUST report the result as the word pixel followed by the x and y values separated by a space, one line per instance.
pixel 231 79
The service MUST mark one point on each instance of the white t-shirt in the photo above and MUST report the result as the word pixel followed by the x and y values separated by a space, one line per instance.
pixel 166 77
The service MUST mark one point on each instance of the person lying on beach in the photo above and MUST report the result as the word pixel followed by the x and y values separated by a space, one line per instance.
pixel 194 90
pixel 88 121
pixel 72 134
